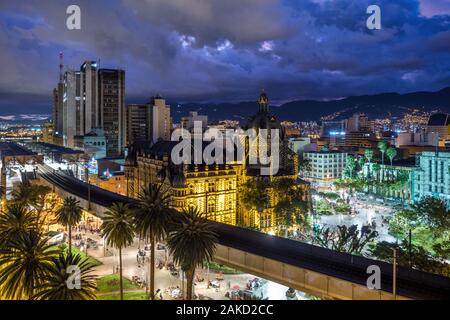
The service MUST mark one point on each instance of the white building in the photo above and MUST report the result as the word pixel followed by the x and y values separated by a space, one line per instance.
pixel 325 165
pixel 302 144
pixel 417 139
pixel 160 120
pixel 432 175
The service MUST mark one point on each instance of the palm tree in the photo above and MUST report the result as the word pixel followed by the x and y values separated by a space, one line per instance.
pixel 57 280
pixel 192 243
pixel 391 153
pixel 382 146
pixel 24 264
pixel 24 194
pixel 69 215
pixel 153 220
pixel 368 154
pixel 14 221
pixel 40 201
pixel 118 229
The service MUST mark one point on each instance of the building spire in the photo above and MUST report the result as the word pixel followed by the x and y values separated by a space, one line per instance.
pixel 263 102
pixel 61 66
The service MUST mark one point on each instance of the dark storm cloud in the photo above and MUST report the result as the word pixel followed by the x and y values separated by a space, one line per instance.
pixel 227 50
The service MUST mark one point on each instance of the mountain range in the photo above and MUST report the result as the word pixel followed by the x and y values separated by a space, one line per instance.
pixel 375 106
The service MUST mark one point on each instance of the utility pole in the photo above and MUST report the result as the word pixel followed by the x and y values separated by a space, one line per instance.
pixel 410 248
pixel 394 275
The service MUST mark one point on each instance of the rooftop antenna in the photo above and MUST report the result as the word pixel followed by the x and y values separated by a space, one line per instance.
pixel 61 66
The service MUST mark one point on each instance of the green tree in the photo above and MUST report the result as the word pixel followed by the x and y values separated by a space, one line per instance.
pixel 69 215
pixel 24 194
pixel 119 230
pixel 55 282
pixel 346 239
pixel 376 168
pixel 350 166
pixel 391 153
pixel 153 219
pixel 368 154
pixel 192 243
pixel 409 257
pixel 292 205
pixel 254 194
pixel 16 220
pixel 433 212
pixel 382 146
pixel 24 264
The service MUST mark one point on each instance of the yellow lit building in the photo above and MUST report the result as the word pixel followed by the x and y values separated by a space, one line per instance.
pixel 213 189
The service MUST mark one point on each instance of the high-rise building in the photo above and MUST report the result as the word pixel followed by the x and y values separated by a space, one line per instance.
pixel 94 99
pixel 111 107
pixel 138 123
pixel 432 175
pixel 149 122
pixel 325 164
pixel 161 123
pixel 359 122
pixel 71 107
pixel 57 112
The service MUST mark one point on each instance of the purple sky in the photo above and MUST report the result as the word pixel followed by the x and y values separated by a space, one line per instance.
pixel 216 50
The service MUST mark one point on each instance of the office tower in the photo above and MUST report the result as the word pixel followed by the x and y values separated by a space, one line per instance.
pixel 111 107
pixel 57 111
pixel 138 123
pixel 161 122
pixel 432 177
pixel 71 107
pixel 80 102
pixel 94 99
pixel 89 108
pixel 325 164
pixel 359 122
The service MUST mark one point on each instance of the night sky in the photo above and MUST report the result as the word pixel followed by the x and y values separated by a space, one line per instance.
pixel 226 50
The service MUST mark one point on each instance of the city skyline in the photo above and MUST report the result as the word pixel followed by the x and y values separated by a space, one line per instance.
pixel 295 50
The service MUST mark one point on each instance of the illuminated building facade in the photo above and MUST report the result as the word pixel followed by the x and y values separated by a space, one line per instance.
pixel 214 188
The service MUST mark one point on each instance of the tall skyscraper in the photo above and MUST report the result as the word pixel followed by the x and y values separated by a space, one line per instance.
pixel 160 119
pixel 94 98
pixel 148 122
pixel 111 117
pixel 58 95
pixel 71 107
pixel 138 123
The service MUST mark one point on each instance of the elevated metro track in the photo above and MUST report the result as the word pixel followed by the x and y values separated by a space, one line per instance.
pixel 309 268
